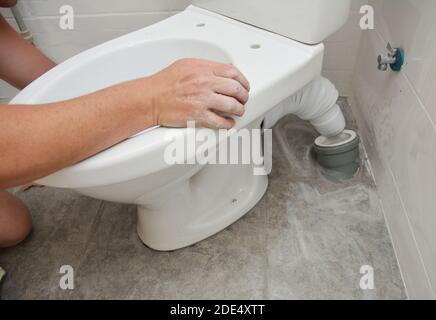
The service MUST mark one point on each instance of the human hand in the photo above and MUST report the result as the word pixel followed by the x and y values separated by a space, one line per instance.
pixel 198 90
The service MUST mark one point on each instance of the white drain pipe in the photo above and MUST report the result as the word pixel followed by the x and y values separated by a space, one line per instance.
pixel 24 31
pixel 316 103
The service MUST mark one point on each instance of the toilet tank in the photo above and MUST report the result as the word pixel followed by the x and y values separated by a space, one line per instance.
pixel 308 21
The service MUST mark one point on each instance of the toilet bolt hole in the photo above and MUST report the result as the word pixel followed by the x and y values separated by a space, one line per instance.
pixel 200 25
pixel 255 46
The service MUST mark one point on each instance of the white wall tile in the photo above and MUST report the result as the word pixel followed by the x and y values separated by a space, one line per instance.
pixel 400 136
pixel 89 31
pixel 411 24
pixel 412 267
pixel 38 8
pixel 342 51
pixel 96 21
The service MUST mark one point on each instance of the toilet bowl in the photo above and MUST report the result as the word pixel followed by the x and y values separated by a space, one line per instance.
pixel 181 204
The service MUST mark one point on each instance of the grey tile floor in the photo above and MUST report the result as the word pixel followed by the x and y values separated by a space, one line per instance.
pixel 307 239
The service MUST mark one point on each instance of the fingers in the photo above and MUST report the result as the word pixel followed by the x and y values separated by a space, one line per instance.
pixel 214 121
pixel 231 72
pixel 227 104
pixel 204 91
pixel 231 88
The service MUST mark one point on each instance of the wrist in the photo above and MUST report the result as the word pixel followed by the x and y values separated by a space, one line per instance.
pixel 142 98
pixel 153 97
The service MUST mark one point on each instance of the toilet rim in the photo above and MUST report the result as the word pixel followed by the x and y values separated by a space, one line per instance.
pixel 142 154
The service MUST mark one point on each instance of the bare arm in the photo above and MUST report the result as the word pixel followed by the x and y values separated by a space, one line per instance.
pixel 38 140
pixel 20 62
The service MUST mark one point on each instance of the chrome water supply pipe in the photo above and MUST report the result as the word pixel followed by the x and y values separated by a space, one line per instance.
pixel 394 59
pixel 24 31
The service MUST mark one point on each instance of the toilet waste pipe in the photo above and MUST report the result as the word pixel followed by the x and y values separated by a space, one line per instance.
pixel 316 103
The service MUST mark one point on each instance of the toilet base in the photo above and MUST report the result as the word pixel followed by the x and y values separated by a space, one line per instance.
pixel 194 210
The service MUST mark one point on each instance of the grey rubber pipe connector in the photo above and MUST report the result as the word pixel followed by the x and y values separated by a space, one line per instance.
pixel 339 153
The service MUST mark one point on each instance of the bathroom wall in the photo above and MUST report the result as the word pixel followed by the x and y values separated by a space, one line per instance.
pixel 342 51
pixel 96 21
pixel 397 117
pixel 100 20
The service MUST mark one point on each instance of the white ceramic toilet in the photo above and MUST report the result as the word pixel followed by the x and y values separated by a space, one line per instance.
pixel 275 43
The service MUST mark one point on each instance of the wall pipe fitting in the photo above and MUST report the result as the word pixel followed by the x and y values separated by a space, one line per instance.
pixel 24 31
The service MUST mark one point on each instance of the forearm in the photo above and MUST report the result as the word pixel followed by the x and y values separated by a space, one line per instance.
pixel 36 141
pixel 20 62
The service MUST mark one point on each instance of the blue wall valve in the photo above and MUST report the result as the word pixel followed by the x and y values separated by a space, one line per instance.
pixel 399 56
pixel 394 59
